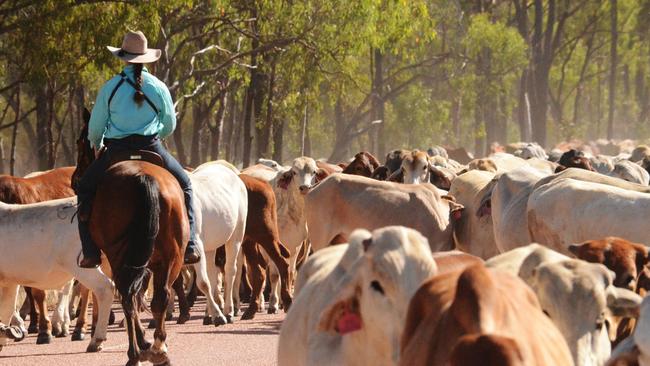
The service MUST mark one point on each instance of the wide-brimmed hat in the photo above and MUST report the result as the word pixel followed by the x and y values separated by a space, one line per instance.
pixel 134 49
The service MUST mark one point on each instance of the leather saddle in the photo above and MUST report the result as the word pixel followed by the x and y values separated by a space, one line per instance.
pixel 139 155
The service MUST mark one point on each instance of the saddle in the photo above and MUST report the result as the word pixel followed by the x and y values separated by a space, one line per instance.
pixel 141 155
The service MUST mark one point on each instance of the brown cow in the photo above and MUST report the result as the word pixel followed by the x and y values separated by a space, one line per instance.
pixel 478 317
pixel 574 159
pixel 363 164
pixel 262 232
pixel 628 260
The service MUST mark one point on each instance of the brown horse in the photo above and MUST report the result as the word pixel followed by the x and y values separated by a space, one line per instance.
pixel 138 220
pixel 38 187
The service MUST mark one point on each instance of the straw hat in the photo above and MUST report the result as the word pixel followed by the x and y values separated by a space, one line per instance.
pixel 134 49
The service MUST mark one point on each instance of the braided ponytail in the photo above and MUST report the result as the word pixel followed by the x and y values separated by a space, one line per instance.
pixel 137 73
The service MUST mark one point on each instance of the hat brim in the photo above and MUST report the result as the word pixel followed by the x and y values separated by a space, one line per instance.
pixel 151 55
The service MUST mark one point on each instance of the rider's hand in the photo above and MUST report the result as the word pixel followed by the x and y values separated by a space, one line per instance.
pixel 97 153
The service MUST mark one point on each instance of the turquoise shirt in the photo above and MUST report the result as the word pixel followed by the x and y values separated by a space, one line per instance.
pixel 124 117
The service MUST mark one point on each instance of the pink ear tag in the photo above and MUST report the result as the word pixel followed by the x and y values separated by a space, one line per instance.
pixel 348 323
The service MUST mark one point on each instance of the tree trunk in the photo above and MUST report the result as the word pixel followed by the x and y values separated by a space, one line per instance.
pixel 230 128
pixel 197 126
pixel 216 132
pixel 456 106
pixel 379 141
pixel 612 71
pixel 14 133
pixel 178 136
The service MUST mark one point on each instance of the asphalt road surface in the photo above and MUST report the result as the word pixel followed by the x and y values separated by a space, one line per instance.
pixel 250 342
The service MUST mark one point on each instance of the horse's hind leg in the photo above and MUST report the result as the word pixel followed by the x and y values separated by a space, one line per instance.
pixel 183 306
pixel 129 316
pixel 161 296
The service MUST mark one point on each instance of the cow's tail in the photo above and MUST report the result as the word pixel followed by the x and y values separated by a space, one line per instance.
pixel 133 275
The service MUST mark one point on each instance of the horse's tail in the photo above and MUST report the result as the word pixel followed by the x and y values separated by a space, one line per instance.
pixel 131 279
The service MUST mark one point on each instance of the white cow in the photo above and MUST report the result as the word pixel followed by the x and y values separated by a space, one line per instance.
pixel 567 211
pixel 354 313
pixel 342 203
pixel 631 172
pixel 43 242
pixel 290 187
pixel 507 202
pixel 578 296
pixel 473 232
pixel 220 206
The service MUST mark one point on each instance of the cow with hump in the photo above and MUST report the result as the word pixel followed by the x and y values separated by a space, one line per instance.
pixel 579 297
pixel 342 203
pixel 351 299
pixel 476 316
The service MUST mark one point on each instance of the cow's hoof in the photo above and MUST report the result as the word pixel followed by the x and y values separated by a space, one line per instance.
pixel 183 318
pixel 229 319
pixel 235 312
pixel 44 338
pixel 220 320
pixel 152 324
pixel 15 333
pixel 78 335
pixel 207 320
pixel 56 332
pixel 169 316
pixel 33 328
pixel 93 347
pixel 272 310
pixel 248 314
pixel 111 318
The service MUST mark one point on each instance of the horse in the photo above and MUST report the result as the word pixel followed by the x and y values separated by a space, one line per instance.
pixel 138 220
pixel 38 187
pixel 44 244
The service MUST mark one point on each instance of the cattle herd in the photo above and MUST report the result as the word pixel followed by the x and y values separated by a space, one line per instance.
pixel 523 257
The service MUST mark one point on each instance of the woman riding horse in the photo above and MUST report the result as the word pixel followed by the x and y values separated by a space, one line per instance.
pixel 133 111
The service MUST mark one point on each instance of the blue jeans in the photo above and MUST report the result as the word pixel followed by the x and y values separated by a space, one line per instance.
pixel 95 173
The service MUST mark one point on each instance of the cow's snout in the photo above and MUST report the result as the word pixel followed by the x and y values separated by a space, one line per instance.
pixel 303 189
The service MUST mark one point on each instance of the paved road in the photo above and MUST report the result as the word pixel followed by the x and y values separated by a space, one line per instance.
pixel 251 342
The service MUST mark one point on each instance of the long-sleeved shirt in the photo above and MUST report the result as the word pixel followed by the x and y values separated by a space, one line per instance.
pixel 124 117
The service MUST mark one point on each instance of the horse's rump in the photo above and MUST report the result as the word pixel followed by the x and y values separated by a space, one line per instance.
pixel 138 219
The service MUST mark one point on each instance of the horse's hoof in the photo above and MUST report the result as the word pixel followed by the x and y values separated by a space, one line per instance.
pixel 94 347
pixel 272 310
pixel 183 318
pixel 78 335
pixel 15 333
pixel 220 320
pixel 44 338
pixel 152 324
pixel 111 318
pixel 229 319
pixel 248 314
pixel 33 328
pixel 207 320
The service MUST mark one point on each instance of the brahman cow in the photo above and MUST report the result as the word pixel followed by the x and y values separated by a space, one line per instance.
pixel 473 232
pixel 631 172
pixel 290 187
pixel 505 201
pixel 579 297
pixel 364 163
pixel 342 203
pixel 479 317
pixel 566 211
pixel 353 313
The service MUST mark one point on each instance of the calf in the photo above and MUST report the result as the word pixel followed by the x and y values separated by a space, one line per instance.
pixel 474 316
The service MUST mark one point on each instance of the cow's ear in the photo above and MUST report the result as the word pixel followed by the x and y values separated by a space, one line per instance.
pixel 575 248
pixel 342 316
pixel 397 176
pixel 321 174
pixel 285 179
pixel 622 302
